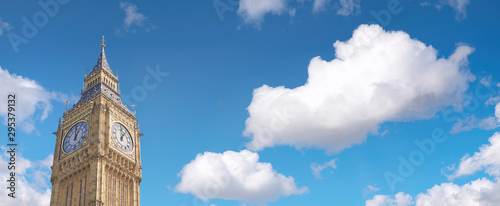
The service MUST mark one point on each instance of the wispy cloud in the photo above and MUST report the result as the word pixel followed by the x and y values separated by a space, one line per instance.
pixel 472 122
pixel 400 199
pixel 369 189
pixel 4 26
pixel 425 3
pixel 347 7
pixel 133 17
pixel 459 6
pixel 486 81
pixel 320 5
pixel 317 168
pixel 253 11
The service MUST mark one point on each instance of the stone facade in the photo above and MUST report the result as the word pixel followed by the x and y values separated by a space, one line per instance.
pixel 97 171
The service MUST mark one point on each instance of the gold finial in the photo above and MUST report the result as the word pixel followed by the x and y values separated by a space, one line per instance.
pixel 133 105
pixel 66 106
pixel 102 42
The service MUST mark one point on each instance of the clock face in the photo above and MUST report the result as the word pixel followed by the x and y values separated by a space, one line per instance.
pixel 75 136
pixel 122 137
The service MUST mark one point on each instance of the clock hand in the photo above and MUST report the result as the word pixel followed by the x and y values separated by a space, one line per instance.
pixel 76 134
pixel 121 138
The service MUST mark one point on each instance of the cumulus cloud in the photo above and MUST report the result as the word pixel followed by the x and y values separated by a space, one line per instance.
pixel 458 5
pixel 253 11
pixel 235 176
pixel 32 180
pixel 481 192
pixel 378 76
pixel 347 7
pixel 400 199
pixel 4 26
pixel 33 102
pixel 317 168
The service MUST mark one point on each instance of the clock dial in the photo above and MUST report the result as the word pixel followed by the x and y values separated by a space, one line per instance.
pixel 75 137
pixel 122 137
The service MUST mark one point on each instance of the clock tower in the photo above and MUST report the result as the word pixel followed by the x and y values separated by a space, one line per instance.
pixel 97 157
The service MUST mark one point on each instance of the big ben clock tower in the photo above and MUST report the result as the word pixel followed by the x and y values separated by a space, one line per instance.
pixel 97 157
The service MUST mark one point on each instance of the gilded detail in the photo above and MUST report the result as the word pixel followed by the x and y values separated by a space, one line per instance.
pixel 96 170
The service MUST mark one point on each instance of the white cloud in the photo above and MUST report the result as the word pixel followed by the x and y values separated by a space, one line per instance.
pixel 4 26
pixel 370 189
pixel 481 192
pixel 32 186
pixel 472 122
pixel 487 123
pixel 488 159
pixel 253 11
pixel 486 81
pixel 235 176
pixel 33 102
pixel 320 5
pixel 425 3
pixel 347 7
pixel 132 17
pixel 317 168
pixel 492 100
pixel 458 5
pixel 377 77
pixel 400 199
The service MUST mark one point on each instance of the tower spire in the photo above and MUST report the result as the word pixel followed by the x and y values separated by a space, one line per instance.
pixel 102 62
pixel 102 44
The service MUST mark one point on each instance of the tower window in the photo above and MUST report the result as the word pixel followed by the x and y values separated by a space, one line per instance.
pixel 80 199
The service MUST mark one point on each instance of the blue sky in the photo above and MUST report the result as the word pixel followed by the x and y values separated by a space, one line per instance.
pixel 330 127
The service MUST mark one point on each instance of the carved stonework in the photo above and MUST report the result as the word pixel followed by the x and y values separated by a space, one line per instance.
pixel 96 171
